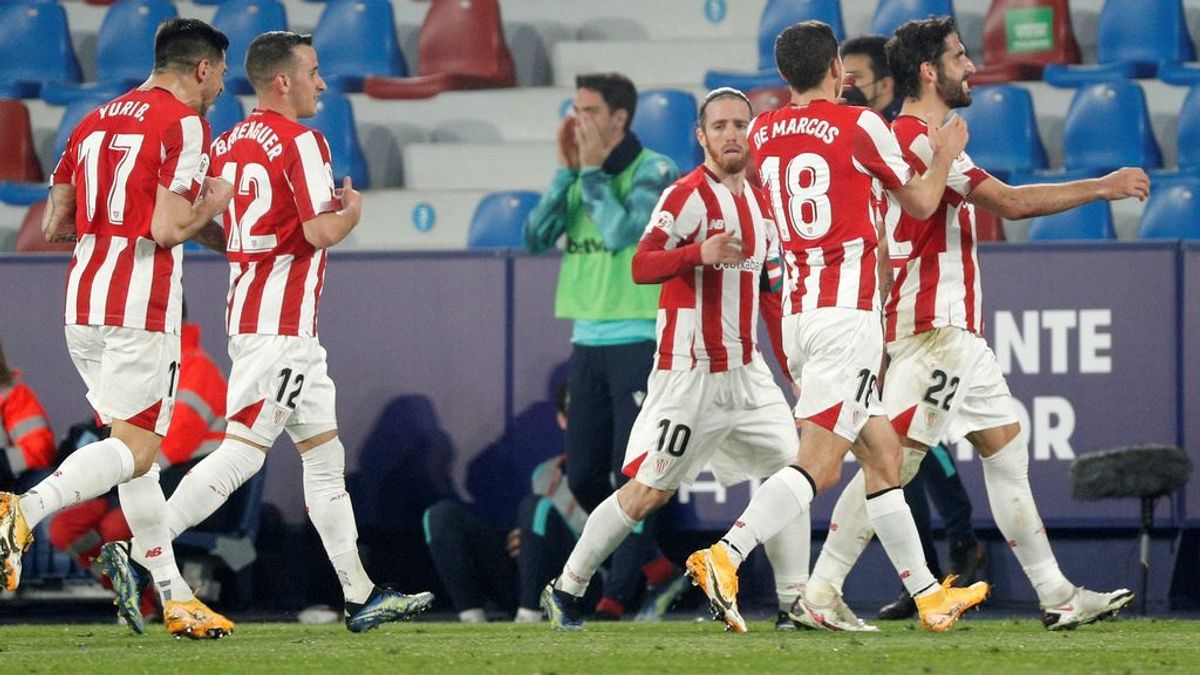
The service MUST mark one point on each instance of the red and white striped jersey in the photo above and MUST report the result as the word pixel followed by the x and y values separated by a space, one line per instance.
pixel 707 314
pixel 817 162
pixel 934 260
pixel 116 158
pixel 281 177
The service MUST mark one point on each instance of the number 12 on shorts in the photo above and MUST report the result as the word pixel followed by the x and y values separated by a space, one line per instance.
pixel 289 387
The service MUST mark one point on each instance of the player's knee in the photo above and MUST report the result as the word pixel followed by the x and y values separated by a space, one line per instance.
pixel 638 501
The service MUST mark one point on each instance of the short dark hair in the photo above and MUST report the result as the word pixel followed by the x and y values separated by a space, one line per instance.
pixel 270 53
pixel 718 94
pixel 872 46
pixel 917 42
pixel 803 52
pixel 180 44
pixel 617 91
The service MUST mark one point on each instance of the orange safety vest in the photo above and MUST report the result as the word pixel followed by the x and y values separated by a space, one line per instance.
pixel 25 435
pixel 198 422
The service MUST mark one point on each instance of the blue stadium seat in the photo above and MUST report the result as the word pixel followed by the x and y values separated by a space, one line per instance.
pixel 1090 221
pixel 1188 133
pixel 242 21
pixel 225 113
pixel 335 119
pixel 1134 39
pixel 1172 213
pixel 665 121
pixel 891 14
pixel 777 15
pixel 1107 127
pixel 499 219
pixel 35 48
pixel 357 38
pixel 124 50
pixel 1006 136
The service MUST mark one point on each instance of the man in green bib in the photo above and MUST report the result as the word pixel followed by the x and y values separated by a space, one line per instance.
pixel 601 198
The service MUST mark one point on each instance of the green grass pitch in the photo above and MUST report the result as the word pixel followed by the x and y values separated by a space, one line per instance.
pixel 975 646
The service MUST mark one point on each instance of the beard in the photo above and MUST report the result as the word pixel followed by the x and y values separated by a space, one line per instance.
pixel 952 91
pixel 730 165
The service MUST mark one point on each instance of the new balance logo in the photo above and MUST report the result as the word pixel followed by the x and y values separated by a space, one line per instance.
pixel 154 552
pixel 738 523
pixel 906 574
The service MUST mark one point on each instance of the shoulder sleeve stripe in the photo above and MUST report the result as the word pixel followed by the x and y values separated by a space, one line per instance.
pixel 190 152
pixel 317 182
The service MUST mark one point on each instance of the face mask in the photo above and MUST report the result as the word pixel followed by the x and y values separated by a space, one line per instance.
pixel 854 96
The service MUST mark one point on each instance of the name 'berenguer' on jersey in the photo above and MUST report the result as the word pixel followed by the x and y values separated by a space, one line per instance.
pixel 826 226
pixel 116 158
pixel 280 171
pixel 700 322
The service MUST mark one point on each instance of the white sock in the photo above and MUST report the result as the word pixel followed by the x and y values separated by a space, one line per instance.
pixel 606 527
pixel 1006 475
pixel 850 532
pixel 790 552
pixel 784 497
pixel 332 514
pixel 526 615
pixel 207 486
pixel 893 522
pixel 88 473
pixel 473 615
pixel 145 510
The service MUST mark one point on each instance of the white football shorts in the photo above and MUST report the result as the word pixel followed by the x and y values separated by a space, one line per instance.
pixel 131 374
pixel 278 382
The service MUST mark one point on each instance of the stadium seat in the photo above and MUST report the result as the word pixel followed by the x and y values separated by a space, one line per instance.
pixel 30 238
pixel 357 38
pixel 665 121
pixel 124 57
pixel 1179 74
pixel 499 219
pixel 1107 127
pixel 461 47
pixel 226 112
pixel 1090 221
pixel 1021 36
pixel 19 160
pixel 763 99
pixel 1172 213
pixel 35 48
pixel 1006 135
pixel 335 119
pixel 242 21
pixel 777 15
pixel 1134 38
pixel 1187 136
pixel 891 14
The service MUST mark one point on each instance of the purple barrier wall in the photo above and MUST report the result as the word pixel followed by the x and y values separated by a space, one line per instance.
pixel 442 389
pixel 1189 300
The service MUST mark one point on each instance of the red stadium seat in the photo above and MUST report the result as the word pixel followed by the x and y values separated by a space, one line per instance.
pixel 30 238
pixel 1041 34
pixel 461 47
pixel 763 99
pixel 18 161
pixel 988 226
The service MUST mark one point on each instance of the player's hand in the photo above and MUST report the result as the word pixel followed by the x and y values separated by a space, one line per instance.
pixel 351 199
pixel 568 151
pixel 1124 183
pixel 721 249
pixel 216 193
pixel 512 543
pixel 949 139
pixel 591 149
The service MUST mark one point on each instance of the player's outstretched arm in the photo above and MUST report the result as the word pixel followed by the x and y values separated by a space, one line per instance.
pixel 327 229
pixel 1027 201
pixel 921 196
pixel 654 264
pixel 176 220
pixel 58 221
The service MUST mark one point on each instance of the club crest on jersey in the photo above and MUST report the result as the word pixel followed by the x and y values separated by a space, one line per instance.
pixel 281 415
pixel 664 220
pixel 661 465
pixel 931 417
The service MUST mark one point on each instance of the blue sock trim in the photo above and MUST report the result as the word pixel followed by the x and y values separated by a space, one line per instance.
pixel 540 515
pixel 943 459
pixel 425 526
pixel 637 529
